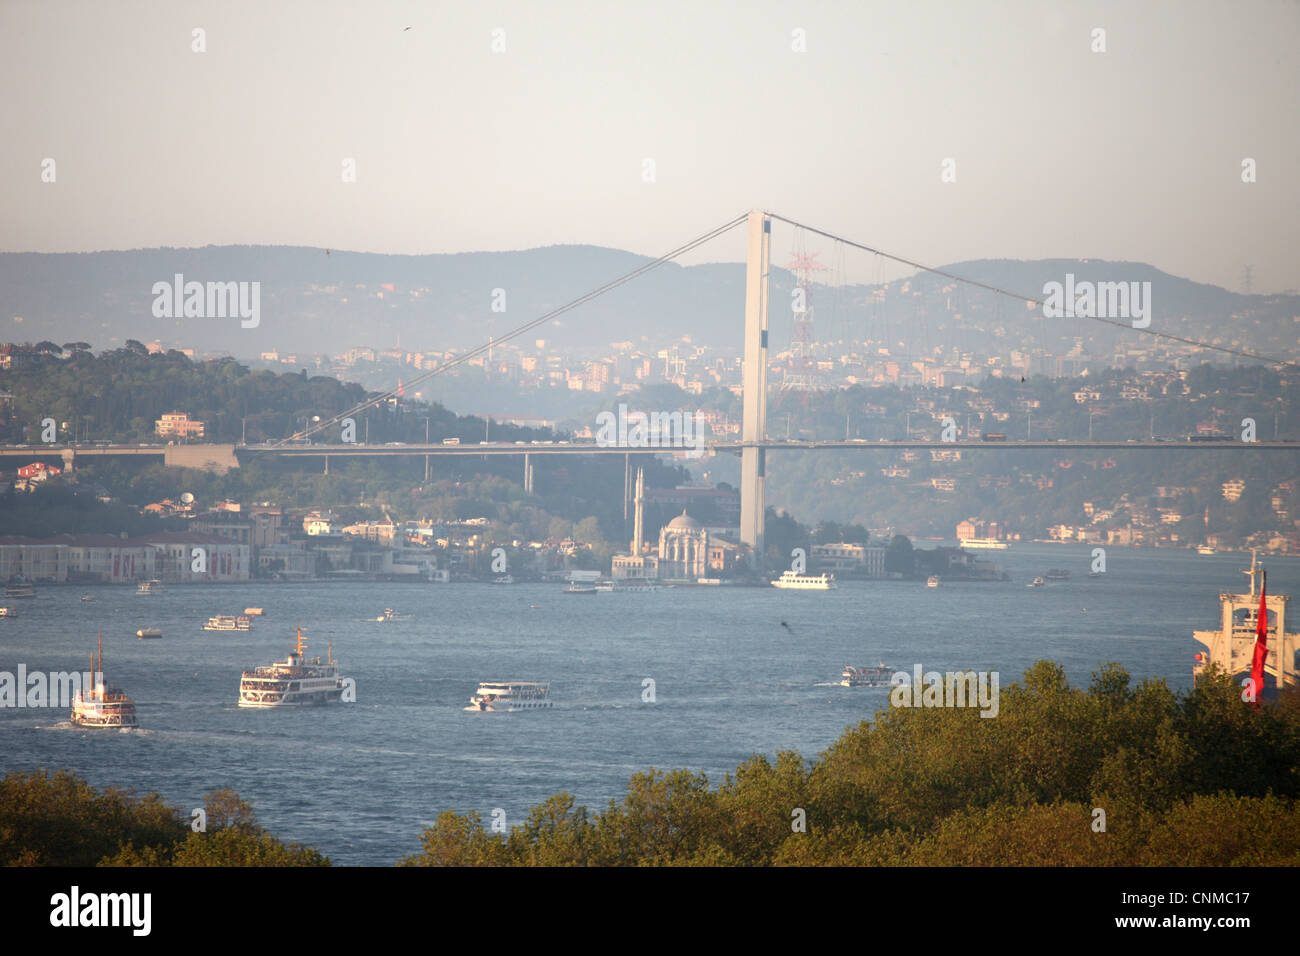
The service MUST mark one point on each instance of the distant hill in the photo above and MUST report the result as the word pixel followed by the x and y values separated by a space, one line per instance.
pixel 312 301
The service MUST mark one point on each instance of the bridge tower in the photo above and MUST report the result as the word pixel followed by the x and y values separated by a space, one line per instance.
pixel 754 427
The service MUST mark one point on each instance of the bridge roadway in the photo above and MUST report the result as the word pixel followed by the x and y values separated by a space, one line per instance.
pixel 221 457
pixel 589 448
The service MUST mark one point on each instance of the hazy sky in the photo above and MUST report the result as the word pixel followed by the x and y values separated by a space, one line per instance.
pixel 1135 153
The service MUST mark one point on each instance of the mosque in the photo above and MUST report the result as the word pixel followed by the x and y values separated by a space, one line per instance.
pixel 688 551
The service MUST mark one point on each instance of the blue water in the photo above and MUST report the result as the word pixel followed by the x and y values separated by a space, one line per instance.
pixel 359 781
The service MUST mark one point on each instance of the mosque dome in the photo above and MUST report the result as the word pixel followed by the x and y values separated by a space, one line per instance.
pixel 684 522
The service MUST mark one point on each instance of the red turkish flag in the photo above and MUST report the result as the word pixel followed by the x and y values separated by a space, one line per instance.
pixel 1261 643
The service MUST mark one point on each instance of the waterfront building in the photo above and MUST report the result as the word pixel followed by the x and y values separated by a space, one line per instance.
pixel 842 558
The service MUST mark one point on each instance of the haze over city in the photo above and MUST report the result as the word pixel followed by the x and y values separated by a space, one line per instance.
pixel 509 126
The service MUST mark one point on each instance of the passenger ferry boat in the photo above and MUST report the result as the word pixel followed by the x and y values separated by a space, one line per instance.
pixel 102 706
pixel 576 588
pixel 293 681
pixel 510 695
pixel 985 544
pixel 805 582
pixel 228 622
pixel 636 586
pixel 866 676
pixel 149 587
pixel 932 581
pixel 20 587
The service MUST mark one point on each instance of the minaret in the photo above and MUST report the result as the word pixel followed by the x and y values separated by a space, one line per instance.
pixel 638 522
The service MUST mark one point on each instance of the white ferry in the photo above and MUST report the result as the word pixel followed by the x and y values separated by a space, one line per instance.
pixel 986 544
pixel 805 582
pixel 510 695
pixel 102 706
pixel 866 676
pixel 149 587
pixel 577 588
pixel 293 681
pixel 228 622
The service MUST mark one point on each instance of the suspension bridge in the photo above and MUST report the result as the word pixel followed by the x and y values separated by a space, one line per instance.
pixel 754 444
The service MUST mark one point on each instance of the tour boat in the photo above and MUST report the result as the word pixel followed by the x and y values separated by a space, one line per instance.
pixel 510 695
pixel 101 706
pixel 228 622
pixel 1205 549
pixel 805 582
pixel 932 581
pixel 149 587
pixel 866 676
pixel 576 588
pixel 294 681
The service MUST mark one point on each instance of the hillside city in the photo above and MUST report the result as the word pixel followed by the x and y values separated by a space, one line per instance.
pixel 1231 502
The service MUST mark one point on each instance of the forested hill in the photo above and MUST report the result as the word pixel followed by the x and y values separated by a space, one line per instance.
pixel 119 395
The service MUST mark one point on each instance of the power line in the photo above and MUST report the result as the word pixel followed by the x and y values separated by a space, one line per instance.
pixel 1039 302
pixel 497 340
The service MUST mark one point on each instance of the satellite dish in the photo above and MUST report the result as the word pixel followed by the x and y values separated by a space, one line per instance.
pixel 187 498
